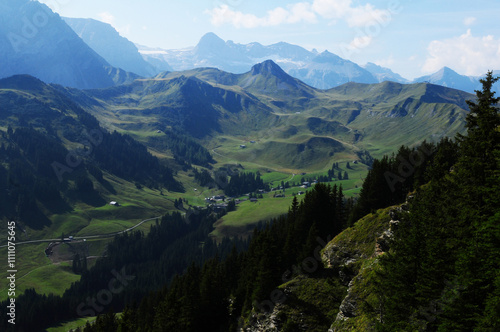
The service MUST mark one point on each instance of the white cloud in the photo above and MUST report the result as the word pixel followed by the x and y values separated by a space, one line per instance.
pixel 469 21
pixel 355 16
pixel 106 17
pixel 332 9
pixel 466 54
pixel 361 42
pixel 301 12
pixel 296 13
pixel 363 16
pixel 387 62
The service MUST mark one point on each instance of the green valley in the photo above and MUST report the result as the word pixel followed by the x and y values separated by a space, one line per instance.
pixel 141 145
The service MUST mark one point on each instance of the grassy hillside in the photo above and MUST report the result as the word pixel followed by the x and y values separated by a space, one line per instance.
pixel 295 127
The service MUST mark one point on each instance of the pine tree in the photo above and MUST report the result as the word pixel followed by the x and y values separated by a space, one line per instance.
pixel 477 176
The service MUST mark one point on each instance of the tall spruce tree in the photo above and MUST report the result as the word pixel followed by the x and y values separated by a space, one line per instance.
pixel 442 271
pixel 479 189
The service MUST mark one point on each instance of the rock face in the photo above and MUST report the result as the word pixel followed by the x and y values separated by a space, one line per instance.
pixel 350 260
pixel 361 278
pixel 36 41
pixel 115 49
pixel 263 322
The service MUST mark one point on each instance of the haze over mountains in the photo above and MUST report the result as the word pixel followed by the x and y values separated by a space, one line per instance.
pixel 320 70
pixel 54 54
pixel 86 53
pixel 36 41
pixel 107 42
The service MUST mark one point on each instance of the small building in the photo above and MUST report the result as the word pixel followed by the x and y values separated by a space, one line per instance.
pixel 114 203
pixel 219 207
pixel 253 142
pixel 158 131
pixel 242 146
pixel 307 184
pixel 253 200
pixel 301 193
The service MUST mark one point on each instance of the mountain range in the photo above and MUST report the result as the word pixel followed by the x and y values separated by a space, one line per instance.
pixel 85 53
pixel 153 127
pixel 293 125
pixel 320 70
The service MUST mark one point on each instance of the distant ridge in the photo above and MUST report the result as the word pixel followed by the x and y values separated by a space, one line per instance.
pixel 324 70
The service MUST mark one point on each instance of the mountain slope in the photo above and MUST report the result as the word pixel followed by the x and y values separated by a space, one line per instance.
pixel 107 42
pixel 328 70
pixel 57 154
pixel 295 125
pixel 449 78
pixel 37 42
pixel 384 74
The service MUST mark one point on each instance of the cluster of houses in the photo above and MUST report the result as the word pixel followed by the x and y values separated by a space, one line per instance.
pixel 306 184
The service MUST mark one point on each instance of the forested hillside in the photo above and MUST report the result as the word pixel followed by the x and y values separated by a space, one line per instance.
pixel 440 273
pixel 443 270
pixel 53 153
pixel 437 269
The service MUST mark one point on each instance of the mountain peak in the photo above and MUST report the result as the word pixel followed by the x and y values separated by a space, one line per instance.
pixel 444 73
pixel 210 40
pixel 327 57
pixel 267 67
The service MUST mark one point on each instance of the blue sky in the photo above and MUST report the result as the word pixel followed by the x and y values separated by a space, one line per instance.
pixel 412 37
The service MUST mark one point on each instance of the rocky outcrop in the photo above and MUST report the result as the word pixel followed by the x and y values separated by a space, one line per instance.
pixel 351 314
pixel 260 322
pixel 382 244
pixel 346 282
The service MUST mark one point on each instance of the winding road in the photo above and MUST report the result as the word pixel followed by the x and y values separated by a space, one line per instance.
pixel 101 236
